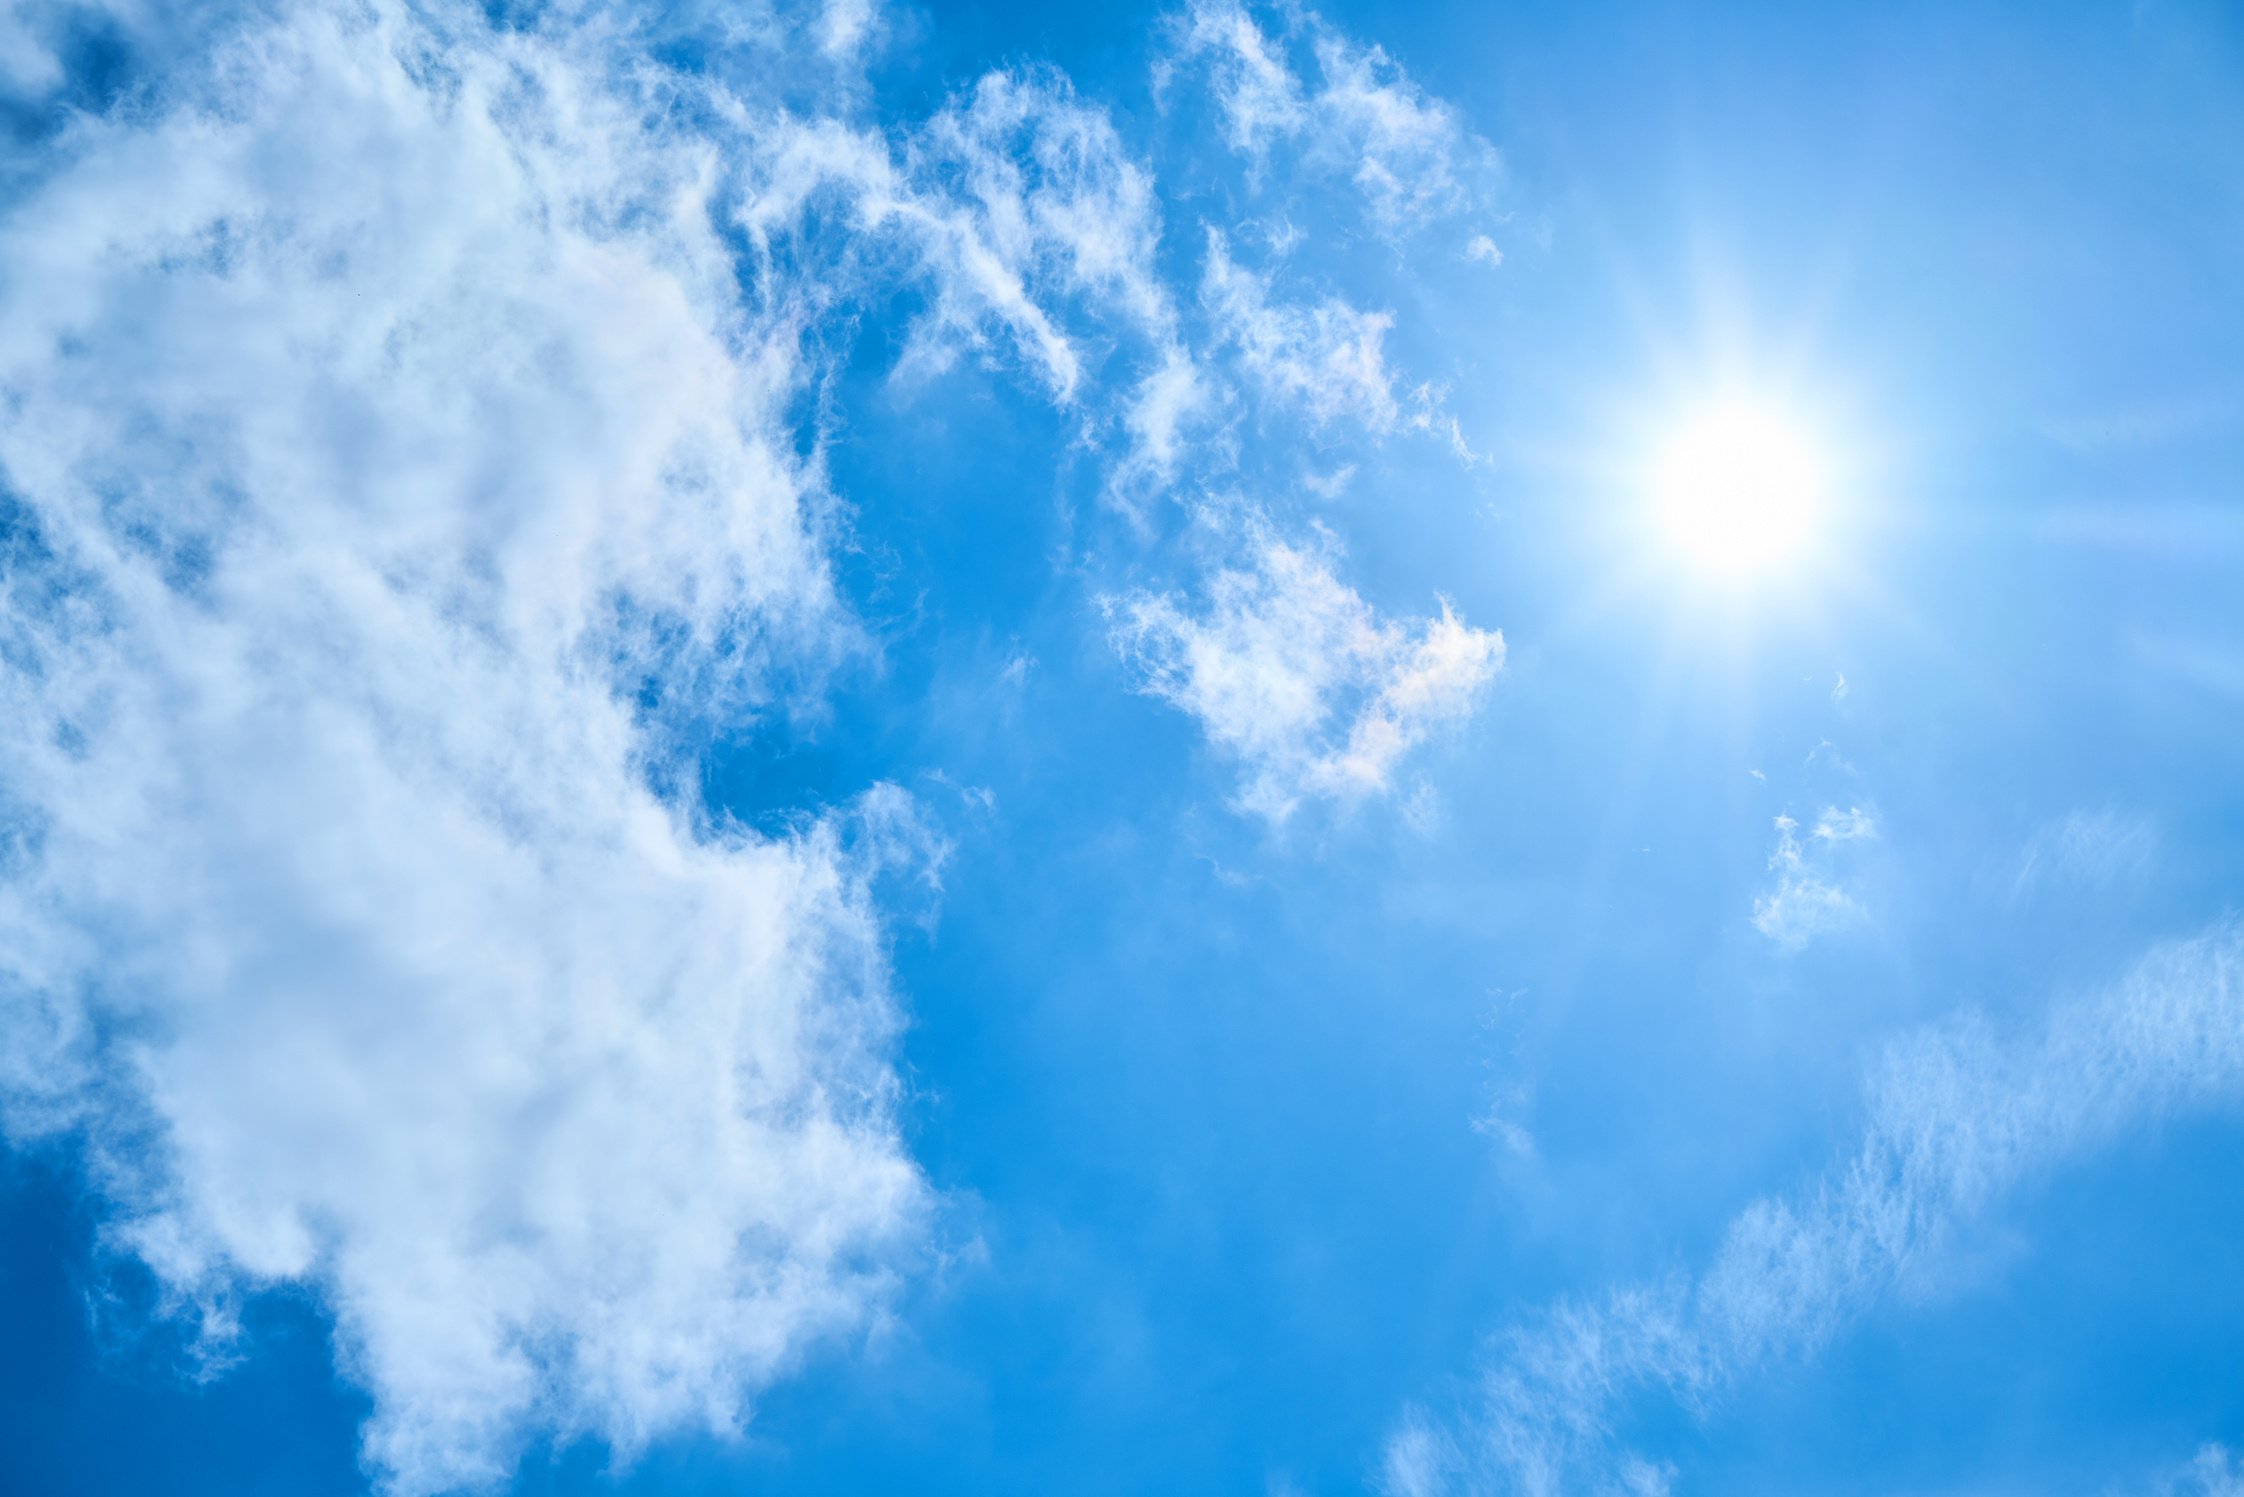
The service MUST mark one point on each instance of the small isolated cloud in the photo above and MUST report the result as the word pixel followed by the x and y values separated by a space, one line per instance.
pixel 1500 1120
pixel 1482 250
pixel 1293 675
pixel 1956 1117
pixel 1806 901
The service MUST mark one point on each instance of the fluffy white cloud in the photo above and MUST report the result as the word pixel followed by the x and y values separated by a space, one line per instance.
pixel 395 482
pixel 1296 677
pixel 399 485
pixel 1806 901
pixel 1957 1116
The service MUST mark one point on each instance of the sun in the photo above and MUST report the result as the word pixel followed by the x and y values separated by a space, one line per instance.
pixel 1738 491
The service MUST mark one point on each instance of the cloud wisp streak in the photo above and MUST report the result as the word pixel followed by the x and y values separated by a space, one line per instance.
pixel 1958 1116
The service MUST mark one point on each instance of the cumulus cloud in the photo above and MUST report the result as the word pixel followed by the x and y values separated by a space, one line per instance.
pixel 1957 1116
pixel 394 484
pixel 1296 677
pixel 1806 901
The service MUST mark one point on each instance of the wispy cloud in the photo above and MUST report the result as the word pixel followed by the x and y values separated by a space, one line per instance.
pixel 1806 900
pixel 1261 99
pixel 1348 108
pixel 1323 356
pixel 1957 1116
pixel 2088 850
pixel 2213 1472
pixel 1296 677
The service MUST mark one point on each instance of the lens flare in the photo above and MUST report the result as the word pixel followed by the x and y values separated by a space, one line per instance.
pixel 1739 491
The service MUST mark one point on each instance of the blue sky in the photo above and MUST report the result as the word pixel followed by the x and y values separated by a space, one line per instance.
pixel 953 749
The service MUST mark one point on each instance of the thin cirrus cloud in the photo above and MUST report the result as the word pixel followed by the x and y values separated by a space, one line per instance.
pixel 2085 851
pixel 1957 1116
pixel 406 474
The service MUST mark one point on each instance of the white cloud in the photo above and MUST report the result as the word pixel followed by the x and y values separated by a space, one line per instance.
pixel 1019 205
pixel 1296 677
pixel 1259 95
pixel 1324 357
pixel 397 483
pixel 1482 250
pixel 1806 901
pixel 2213 1473
pixel 1053 194
pixel 1410 156
pixel 1038 234
pixel 400 488
pixel 1410 153
pixel 844 26
pixel 1957 1116
pixel 1035 230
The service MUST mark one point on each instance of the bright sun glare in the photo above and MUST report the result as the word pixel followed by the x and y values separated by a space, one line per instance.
pixel 1738 491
